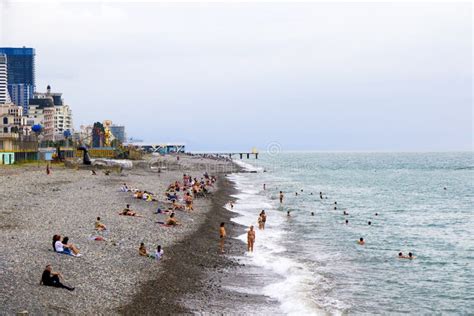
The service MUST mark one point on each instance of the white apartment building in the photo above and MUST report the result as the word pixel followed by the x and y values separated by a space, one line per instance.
pixel 4 96
pixel 49 110
pixel 12 120
pixel 62 120
pixel 43 116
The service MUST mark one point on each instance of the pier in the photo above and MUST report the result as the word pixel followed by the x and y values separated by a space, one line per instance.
pixel 241 155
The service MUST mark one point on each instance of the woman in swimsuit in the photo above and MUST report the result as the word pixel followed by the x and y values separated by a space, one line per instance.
pixel 222 235
pixel 250 239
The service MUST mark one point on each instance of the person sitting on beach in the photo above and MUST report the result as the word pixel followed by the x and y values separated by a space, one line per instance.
pixel 50 278
pixel 222 236
pixel 159 253
pixel 171 197
pixel 250 239
pixel 143 252
pixel 172 220
pixel 361 241
pixel 59 247
pixel 70 246
pixel 99 225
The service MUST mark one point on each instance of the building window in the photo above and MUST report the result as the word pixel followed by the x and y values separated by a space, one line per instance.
pixel 5 120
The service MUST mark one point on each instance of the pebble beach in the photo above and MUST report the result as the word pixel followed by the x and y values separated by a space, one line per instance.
pixel 110 274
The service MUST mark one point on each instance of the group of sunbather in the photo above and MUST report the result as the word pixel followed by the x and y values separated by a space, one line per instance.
pixel 198 188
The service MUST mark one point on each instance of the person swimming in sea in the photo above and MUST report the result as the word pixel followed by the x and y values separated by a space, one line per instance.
pixel 312 213
pixel 370 223
pixel 402 256
pixel 347 221
pixel 288 214
pixel 361 241
pixel 345 213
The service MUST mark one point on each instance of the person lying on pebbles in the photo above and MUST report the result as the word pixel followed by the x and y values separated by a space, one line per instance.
pixel 64 246
pixel 128 212
pixel 51 278
pixel 177 206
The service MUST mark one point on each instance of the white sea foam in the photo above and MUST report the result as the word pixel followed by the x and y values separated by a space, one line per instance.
pixel 293 282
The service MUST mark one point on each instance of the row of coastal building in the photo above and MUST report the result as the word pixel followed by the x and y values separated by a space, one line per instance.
pixel 29 118
pixel 21 107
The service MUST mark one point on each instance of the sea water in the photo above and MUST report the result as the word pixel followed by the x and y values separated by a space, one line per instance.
pixel 314 265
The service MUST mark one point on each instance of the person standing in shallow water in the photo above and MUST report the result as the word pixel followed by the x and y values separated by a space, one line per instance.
pixel 281 197
pixel 263 218
pixel 223 235
pixel 250 239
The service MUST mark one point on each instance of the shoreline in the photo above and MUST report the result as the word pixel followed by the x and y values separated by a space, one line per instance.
pixel 195 277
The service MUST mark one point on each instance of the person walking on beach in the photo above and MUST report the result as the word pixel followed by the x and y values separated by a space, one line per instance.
pixel 222 235
pixel 263 217
pixel 250 239
pixel 50 278
pixel 281 197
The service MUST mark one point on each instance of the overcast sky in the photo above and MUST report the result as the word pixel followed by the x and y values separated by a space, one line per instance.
pixel 314 76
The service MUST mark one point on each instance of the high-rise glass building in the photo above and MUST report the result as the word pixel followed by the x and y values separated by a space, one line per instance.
pixel 21 74
pixel 119 133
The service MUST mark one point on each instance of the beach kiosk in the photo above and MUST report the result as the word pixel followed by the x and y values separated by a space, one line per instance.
pixel 7 158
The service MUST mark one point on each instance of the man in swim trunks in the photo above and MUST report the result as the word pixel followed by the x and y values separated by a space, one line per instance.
pixel 172 220
pixel 99 225
pixel 222 236
pixel 250 239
